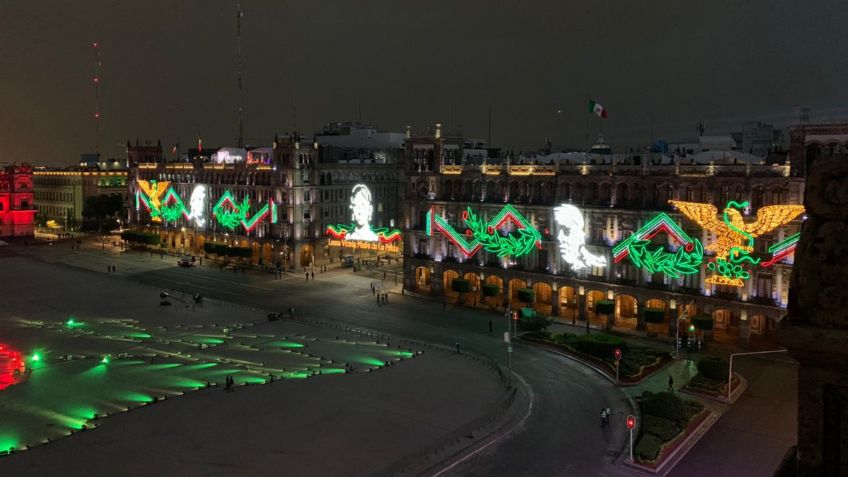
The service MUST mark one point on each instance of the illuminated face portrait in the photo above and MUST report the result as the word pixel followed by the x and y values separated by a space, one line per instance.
pixel 197 206
pixel 361 211
pixel 572 239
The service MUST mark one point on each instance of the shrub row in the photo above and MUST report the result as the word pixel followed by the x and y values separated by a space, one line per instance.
pixel 141 237
pixel 222 249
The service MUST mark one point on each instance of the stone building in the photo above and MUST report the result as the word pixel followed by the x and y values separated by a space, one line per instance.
pixel 294 190
pixel 17 207
pixel 615 196
pixel 60 194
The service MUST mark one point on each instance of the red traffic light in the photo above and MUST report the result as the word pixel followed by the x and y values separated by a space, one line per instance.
pixel 631 422
pixel 617 354
pixel 515 315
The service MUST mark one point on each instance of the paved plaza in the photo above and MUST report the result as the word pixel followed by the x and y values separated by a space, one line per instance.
pixel 123 385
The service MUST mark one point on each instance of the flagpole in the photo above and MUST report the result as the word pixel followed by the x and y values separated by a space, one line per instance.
pixel 587 127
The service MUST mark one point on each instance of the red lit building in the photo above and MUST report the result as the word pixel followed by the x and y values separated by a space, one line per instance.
pixel 17 211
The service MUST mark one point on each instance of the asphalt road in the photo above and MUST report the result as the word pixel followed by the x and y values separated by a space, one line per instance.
pixel 562 436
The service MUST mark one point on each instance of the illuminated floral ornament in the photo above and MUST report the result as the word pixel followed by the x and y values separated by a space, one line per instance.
pixel 486 235
pixel 782 249
pixel 572 239
pixel 172 207
pixel 685 261
pixel 149 195
pixel 230 214
pixel 734 238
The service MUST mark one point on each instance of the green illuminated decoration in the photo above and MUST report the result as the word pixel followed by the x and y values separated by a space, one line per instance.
pixel 230 217
pixel 685 261
pixel 486 235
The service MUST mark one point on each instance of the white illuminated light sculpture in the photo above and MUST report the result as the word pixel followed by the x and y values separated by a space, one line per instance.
pixel 360 205
pixel 572 239
pixel 197 206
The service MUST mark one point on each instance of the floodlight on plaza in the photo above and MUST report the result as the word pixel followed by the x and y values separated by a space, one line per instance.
pixel 105 359
pixel 35 357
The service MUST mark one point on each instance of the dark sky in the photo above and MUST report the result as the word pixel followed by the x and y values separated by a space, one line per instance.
pixel 169 68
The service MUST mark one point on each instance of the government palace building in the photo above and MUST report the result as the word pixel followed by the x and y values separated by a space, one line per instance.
pixel 638 242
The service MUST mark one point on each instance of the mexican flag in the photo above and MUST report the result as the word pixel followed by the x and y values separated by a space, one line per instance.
pixel 597 109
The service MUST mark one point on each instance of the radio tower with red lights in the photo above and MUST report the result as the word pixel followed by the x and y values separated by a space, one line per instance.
pixel 98 63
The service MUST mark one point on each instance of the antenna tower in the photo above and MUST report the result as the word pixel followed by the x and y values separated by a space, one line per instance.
pixel 98 64
pixel 239 14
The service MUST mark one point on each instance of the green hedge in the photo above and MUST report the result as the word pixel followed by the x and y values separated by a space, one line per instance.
pixel 654 315
pixel 664 404
pixel 713 368
pixel 703 322
pixel 461 285
pixel 664 429
pixel 533 322
pixel 599 345
pixel 491 289
pixel 605 307
pixel 141 237
pixel 527 295
pixel 648 447
pixel 222 249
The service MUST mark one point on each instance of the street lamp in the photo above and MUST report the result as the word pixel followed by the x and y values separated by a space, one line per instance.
pixel 581 292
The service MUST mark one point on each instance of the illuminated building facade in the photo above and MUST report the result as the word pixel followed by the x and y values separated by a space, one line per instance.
pixel 17 208
pixel 279 201
pixel 599 236
pixel 60 194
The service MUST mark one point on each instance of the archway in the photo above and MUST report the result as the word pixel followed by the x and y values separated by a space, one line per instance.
pixel 725 326
pixel 474 280
pixel 514 285
pixel 626 312
pixel 422 279
pixel 447 283
pixel 267 254
pixel 544 295
pixel 656 316
pixel 592 298
pixel 567 303
pixel 306 253
pixel 495 301
pixel 255 250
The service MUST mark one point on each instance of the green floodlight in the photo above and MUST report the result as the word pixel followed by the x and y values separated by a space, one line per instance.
pixel 36 357
pixel 105 359
pixel 691 328
pixel 70 322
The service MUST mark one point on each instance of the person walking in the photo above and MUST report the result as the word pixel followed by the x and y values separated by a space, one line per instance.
pixel 603 418
pixel 490 326
pixel 313 275
pixel 307 276
pixel 609 414
pixel 670 383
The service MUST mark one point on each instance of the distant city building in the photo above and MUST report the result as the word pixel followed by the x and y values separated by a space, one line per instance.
pixel 17 210
pixel 811 141
pixel 60 194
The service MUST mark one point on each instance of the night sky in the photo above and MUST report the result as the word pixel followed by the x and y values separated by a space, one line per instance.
pixel 169 69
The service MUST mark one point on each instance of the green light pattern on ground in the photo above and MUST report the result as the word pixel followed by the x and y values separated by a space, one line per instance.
pixel 82 373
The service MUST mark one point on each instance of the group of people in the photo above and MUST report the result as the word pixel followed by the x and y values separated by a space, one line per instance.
pixel 307 276
pixel 382 297
pixel 111 269
pixel 229 383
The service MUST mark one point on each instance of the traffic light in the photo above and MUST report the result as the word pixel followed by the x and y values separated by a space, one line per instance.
pixel 617 354
pixel 631 422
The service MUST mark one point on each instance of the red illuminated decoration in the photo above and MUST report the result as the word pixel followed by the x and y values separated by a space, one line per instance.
pixel 12 366
pixel 17 210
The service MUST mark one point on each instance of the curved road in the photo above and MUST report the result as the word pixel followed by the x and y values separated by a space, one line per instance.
pixel 562 436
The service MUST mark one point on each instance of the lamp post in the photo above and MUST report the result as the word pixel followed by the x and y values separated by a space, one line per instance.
pixel 580 292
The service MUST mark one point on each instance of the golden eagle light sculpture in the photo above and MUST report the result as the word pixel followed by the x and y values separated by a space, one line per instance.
pixel 734 241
